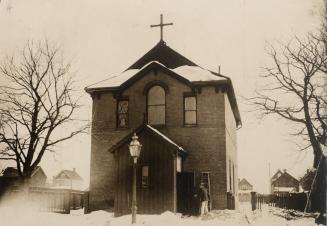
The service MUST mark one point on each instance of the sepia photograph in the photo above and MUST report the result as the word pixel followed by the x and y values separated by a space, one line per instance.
pixel 156 113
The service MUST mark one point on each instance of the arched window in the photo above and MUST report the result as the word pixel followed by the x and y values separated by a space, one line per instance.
pixel 156 109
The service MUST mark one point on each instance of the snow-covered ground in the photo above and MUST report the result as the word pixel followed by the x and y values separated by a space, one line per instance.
pixel 10 216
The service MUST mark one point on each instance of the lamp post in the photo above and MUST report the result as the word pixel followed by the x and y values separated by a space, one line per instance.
pixel 134 149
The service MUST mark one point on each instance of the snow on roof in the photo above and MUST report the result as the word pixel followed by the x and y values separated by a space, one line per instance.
pixel 36 169
pixel 195 74
pixel 115 81
pixel 165 137
pixel 191 73
pixel 71 174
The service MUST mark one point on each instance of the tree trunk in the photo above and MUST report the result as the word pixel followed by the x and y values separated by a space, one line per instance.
pixel 321 191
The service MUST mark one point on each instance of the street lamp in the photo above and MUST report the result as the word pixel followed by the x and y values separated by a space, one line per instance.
pixel 134 150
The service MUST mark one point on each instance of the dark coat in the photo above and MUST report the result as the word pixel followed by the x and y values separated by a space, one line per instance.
pixel 204 195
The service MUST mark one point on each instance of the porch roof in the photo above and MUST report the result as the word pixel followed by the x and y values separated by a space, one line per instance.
pixel 153 131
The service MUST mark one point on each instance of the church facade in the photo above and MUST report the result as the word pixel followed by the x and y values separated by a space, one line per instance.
pixel 186 119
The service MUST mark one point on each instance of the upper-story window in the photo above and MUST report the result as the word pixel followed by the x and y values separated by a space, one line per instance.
pixel 156 109
pixel 122 113
pixel 190 110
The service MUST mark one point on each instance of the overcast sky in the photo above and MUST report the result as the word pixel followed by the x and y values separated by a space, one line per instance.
pixel 102 38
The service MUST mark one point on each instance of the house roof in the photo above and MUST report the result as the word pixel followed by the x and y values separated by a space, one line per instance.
pixel 153 131
pixel 284 175
pixel 70 174
pixel 10 172
pixel 283 179
pixel 38 169
pixel 276 175
pixel 191 74
pixel 13 172
pixel 290 176
pixel 172 63
pixel 244 181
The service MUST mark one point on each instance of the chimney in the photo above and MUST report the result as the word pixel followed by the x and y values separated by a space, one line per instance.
pixel 74 169
pixel 284 170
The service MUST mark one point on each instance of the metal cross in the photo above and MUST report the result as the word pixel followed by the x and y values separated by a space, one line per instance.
pixel 161 25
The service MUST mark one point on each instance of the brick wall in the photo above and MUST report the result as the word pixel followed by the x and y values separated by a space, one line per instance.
pixel 206 143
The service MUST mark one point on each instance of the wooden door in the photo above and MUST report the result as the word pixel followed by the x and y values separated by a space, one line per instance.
pixel 186 199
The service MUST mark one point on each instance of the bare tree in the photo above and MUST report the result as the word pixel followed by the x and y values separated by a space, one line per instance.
pixel 295 89
pixel 37 105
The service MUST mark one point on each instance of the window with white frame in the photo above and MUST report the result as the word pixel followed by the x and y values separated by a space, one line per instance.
pixel 190 109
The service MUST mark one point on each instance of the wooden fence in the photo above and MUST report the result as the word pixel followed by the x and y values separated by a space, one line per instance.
pixel 52 199
pixel 295 201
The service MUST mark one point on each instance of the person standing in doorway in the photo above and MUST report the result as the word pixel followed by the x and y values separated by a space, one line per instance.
pixel 204 199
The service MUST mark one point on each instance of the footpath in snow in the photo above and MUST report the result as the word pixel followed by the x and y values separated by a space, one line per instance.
pixel 10 216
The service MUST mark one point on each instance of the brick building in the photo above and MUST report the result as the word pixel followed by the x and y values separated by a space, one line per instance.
pixel 186 118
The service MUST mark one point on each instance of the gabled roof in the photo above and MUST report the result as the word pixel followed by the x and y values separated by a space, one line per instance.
pixel 13 172
pixel 244 181
pixel 276 175
pixel 69 174
pixel 189 74
pixel 282 175
pixel 163 54
pixel 38 169
pixel 290 176
pixel 285 176
pixel 10 172
pixel 154 132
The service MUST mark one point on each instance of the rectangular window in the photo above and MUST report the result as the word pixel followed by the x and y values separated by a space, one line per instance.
pixel 145 177
pixel 122 114
pixel 190 110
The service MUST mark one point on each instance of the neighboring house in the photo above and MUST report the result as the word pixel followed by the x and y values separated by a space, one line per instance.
pixel 10 172
pixel 38 177
pixel 186 119
pixel 69 179
pixel 244 190
pixel 283 182
pixel 10 179
pixel 245 185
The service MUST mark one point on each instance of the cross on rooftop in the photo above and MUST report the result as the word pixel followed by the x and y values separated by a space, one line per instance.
pixel 161 25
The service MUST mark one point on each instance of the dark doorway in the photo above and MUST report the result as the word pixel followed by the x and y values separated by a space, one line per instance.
pixel 187 202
